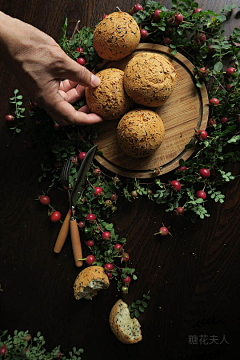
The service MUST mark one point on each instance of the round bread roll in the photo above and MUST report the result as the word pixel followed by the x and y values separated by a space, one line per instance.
pixel 140 132
pixel 149 79
pixel 89 281
pixel 109 100
pixel 116 36
pixel 127 330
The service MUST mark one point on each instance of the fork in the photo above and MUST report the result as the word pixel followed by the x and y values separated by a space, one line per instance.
pixel 65 226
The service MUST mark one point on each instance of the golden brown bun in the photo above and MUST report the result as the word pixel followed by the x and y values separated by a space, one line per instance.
pixel 127 330
pixel 89 281
pixel 109 100
pixel 149 79
pixel 116 36
pixel 140 132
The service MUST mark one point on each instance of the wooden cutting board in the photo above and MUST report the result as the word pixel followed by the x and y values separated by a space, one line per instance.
pixel 185 110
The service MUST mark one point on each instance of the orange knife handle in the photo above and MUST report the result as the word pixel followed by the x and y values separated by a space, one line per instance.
pixel 76 242
pixel 62 234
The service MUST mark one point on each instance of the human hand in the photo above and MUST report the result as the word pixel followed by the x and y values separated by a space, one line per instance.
pixel 39 63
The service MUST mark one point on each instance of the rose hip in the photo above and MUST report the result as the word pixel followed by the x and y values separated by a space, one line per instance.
pixel 201 194
pixel 205 173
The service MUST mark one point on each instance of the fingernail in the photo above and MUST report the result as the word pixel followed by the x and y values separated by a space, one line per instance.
pixel 95 80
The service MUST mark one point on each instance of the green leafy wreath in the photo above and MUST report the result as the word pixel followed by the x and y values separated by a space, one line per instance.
pixel 201 39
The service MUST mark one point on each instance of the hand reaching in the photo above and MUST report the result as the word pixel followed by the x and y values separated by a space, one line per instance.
pixel 40 64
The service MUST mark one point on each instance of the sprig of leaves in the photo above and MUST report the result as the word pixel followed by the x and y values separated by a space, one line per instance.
pixel 16 100
pixel 139 306
pixel 21 345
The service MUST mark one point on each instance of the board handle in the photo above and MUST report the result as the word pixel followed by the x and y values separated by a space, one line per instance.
pixel 76 242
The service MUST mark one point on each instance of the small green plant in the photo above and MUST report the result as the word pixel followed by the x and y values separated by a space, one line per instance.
pixel 139 306
pixel 22 346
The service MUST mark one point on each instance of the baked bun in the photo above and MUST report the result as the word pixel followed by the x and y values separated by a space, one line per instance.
pixel 89 281
pixel 109 100
pixel 127 330
pixel 149 79
pixel 116 36
pixel 140 132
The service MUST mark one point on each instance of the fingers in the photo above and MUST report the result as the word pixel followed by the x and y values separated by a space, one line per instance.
pixel 77 73
pixel 67 85
pixel 64 112
pixel 74 94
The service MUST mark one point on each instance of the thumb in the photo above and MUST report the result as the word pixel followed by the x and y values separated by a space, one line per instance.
pixel 79 74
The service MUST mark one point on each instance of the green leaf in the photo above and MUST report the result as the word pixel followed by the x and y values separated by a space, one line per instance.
pixel 218 66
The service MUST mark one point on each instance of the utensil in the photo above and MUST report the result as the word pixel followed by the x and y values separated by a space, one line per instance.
pixel 65 226
pixel 70 217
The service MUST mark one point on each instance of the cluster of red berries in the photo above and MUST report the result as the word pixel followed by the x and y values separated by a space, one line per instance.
pixel 81 59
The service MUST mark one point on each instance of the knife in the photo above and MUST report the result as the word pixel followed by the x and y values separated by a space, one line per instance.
pixel 77 188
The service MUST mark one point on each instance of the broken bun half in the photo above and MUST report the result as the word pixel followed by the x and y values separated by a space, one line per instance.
pixel 89 281
pixel 127 330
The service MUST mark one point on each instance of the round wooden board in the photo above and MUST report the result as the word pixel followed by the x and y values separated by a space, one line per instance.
pixel 185 110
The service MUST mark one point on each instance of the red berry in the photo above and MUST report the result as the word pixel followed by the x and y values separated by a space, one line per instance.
pixel 97 172
pixel 205 173
pixel 108 267
pixel 163 231
pixel 56 216
pixel 127 279
pixel 144 34
pixel 9 118
pixel 197 10
pixel 90 259
pixel 180 210
pixel 214 102
pixel 81 61
pixel 104 16
pixel 58 354
pixel 56 126
pixel 230 71
pixel 182 168
pixel 81 224
pixel 202 39
pixel 176 185
pixel 224 120
pixel 3 350
pixel 202 134
pixel 156 15
pixel 45 200
pixel 178 19
pixel 113 197
pixel 106 235
pixel 212 122
pixel 109 275
pixel 211 49
pixel 90 217
pixel 201 194
pixel 98 190
pixel 125 257
pixel 118 246
pixel 228 88
pixel 82 155
pixel 137 8
pixel 203 72
pixel 167 41
pixel 90 243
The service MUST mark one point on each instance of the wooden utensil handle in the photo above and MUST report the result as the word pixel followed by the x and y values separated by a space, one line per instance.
pixel 62 233
pixel 76 242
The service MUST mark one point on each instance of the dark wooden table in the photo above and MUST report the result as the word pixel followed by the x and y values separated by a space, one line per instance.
pixel 193 276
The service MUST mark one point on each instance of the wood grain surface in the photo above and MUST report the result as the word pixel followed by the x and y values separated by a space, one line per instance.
pixel 185 111
pixel 193 276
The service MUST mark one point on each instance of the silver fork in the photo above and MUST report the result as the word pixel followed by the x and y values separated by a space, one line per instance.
pixel 65 226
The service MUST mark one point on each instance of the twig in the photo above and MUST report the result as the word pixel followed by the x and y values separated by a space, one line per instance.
pixel 75 29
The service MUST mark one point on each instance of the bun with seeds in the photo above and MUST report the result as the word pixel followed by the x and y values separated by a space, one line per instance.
pixel 127 330
pixel 109 100
pixel 149 79
pixel 116 36
pixel 89 281
pixel 140 132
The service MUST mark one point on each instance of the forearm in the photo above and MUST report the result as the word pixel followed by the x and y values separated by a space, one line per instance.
pixel 7 36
